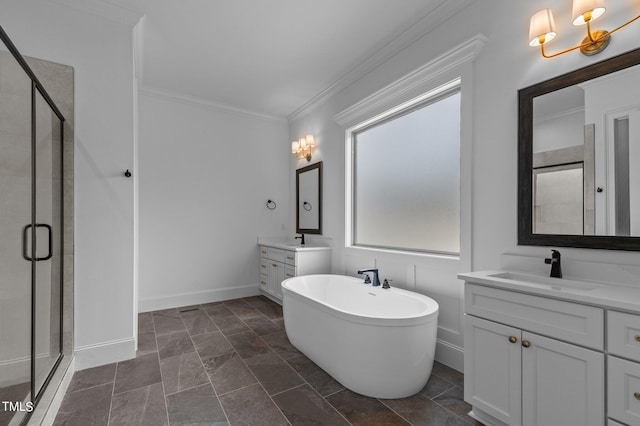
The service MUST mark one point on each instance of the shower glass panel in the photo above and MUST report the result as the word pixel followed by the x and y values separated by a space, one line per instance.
pixel 47 283
pixel 31 224
pixel 15 214
pixel 558 204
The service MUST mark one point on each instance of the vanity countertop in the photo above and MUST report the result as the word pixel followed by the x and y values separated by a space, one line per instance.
pixel 291 246
pixel 609 295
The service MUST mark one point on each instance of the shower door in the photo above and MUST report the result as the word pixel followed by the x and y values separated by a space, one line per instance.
pixel 15 212
pixel 46 231
pixel 30 237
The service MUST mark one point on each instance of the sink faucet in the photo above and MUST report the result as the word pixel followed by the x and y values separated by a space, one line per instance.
pixel 301 238
pixel 374 271
pixel 554 261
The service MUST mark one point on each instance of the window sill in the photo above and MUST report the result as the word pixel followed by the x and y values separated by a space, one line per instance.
pixel 402 253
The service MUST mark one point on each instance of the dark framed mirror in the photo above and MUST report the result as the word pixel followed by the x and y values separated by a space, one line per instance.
pixel 309 199
pixel 579 157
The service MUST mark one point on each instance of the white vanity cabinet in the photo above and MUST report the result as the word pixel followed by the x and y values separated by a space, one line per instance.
pixel 279 262
pixel 623 361
pixel 533 360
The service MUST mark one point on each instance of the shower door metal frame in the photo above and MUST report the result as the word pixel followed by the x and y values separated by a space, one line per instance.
pixel 36 86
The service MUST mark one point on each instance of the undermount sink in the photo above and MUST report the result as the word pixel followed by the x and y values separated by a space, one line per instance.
pixel 558 284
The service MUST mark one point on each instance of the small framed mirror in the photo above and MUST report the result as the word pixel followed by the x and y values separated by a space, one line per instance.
pixel 579 144
pixel 309 199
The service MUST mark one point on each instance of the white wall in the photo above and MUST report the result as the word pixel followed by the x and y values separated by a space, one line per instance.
pixel 205 176
pixel 559 132
pixel 101 53
pixel 506 64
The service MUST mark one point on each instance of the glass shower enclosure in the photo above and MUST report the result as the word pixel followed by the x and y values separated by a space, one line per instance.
pixel 31 224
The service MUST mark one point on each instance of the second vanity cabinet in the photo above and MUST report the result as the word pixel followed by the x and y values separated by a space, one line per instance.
pixel 279 262
pixel 546 367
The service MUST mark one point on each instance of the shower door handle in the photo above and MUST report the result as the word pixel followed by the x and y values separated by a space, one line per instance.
pixel 50 247
pixel 25 242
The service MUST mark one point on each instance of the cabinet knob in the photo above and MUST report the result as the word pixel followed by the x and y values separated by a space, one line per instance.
pixel 513 339
pixel 637 396
pixel 526 343
pixel 290 258
pixel 263 252
pixel 637 337
pixel 274 264
pixel 263 283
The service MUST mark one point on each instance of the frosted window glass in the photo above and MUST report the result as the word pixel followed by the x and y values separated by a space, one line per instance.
pixel 407 180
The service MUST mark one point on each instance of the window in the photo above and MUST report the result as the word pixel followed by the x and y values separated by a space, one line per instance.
pixel 405 182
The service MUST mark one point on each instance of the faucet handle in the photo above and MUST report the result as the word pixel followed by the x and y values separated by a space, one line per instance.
pixel 367 279
pixel 385 284
pixel 555 257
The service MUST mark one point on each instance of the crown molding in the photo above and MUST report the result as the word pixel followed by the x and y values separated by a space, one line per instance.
pixel 386 50
pixel 125 12
pixel 412 83
pixel 165 95
pixel 557 115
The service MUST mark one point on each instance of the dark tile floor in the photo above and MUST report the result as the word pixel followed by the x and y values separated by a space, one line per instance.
pixel 17 392
pixel 231 363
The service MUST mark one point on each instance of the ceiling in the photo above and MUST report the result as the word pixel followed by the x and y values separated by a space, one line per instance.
pixel 270 57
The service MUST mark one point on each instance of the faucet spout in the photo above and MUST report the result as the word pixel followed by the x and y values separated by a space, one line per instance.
pixel 374 271
pixel 554 261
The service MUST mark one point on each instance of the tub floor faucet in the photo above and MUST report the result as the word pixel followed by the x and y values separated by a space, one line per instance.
pixel 374 271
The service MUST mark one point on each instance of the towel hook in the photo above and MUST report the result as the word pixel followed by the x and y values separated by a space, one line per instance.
pixel 271 205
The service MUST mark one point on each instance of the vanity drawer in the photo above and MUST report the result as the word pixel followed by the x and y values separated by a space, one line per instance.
pixel 571 322
pixel 624 390
pixel 289 272
pixel 264 265
pixel 272 253
pixel 623 335
pixel 264 281
pixel 290 258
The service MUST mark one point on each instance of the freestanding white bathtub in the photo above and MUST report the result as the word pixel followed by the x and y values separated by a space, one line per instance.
pixel 377 342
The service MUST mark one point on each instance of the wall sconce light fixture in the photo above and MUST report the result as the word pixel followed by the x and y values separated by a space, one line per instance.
pixel 303 147
pixel 542 28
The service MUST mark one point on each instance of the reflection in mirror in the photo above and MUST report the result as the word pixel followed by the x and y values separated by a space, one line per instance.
pixel 558 202
pixel 588 120
pixel 309 199
pixel 579 141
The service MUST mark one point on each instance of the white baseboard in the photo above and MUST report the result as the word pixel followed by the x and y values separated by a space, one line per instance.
pixel 450 355
pixel 18 370
pixel 104 353
pixel 196 298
